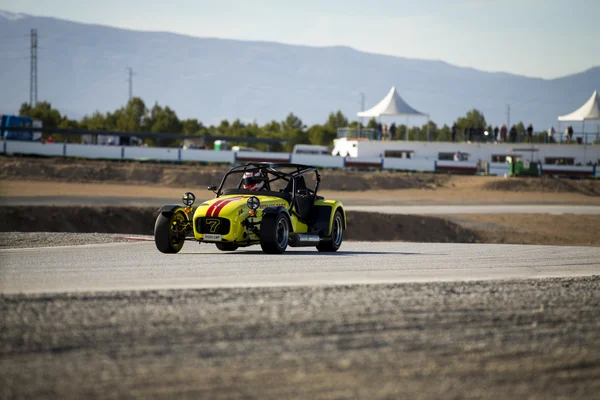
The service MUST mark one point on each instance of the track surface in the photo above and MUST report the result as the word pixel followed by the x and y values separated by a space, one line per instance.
pixel 138 265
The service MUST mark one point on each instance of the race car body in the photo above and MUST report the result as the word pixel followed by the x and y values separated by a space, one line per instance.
pixel 256 203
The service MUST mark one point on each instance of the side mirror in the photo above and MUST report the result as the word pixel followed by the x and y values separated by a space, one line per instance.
pixel 212 188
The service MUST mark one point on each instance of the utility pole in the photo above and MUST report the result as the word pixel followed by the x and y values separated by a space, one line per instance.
pixel 130 82
pixel 33 70
pixel 508 116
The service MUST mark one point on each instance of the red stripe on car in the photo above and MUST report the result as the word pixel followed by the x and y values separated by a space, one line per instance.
pixel 223 204
pixel 213 206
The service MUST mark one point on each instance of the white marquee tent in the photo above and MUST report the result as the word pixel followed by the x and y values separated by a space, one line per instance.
pixel 590 111
pixel 392 105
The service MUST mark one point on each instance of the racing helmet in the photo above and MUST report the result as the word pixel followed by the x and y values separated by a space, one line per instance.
pixel 251 182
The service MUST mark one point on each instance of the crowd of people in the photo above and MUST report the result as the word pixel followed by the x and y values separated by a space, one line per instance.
pixel 478 134
pixel 503 134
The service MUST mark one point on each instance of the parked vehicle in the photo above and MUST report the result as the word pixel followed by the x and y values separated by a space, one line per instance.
pixel 20 122
pixel 256 203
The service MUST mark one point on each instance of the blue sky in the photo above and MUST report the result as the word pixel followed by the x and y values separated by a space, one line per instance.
pixel 537 38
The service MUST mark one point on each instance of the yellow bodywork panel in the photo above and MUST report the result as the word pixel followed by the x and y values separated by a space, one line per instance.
pixel 235 209
pixel 335 205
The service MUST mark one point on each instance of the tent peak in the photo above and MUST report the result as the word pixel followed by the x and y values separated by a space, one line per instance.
pixel 589 111
pixel 391 104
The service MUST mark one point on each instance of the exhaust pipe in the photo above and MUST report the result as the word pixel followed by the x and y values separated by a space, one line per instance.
pixel 303 239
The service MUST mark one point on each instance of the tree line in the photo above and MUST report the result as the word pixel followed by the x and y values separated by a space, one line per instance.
pixel 136 117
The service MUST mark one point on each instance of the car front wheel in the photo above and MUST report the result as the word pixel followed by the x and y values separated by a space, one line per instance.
pixel 170 231
pixel 274 233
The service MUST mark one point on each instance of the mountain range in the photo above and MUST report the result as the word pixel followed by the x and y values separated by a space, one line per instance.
pixel 83 68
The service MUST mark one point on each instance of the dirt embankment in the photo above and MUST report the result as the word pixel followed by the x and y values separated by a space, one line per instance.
pixel 196 175
pixel 22 176
pixel 190 175
pixel 136 220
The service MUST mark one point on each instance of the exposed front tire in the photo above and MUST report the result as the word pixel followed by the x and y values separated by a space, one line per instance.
pixel 274 233
pixel 223 246
pixel 170 231
pixel 334 241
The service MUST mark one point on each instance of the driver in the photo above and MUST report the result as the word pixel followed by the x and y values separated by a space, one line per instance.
pixel 251 183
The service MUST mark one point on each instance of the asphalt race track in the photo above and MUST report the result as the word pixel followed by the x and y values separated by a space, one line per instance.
pixel 444 321
pixel 138 265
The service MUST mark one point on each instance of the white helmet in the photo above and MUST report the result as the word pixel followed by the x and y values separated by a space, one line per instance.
pixel 250 182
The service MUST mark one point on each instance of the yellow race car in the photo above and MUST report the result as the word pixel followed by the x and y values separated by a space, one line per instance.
pixel 256 203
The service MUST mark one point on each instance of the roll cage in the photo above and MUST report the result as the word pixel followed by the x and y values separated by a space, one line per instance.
pixel 295 192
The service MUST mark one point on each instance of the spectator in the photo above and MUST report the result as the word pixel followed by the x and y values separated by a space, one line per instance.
pixel 457 156
pixel 513 134
pixel 50 139
pixel 551 132
pixel 530 134
pixel 385 132
pixel 454 133
pixel 569 134
pixel 471 129
pixel 496 137
pixel 379 137
pixel 503 132
pixel 393 131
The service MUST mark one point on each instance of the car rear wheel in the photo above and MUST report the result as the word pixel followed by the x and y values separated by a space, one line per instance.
pixel 170 231
pixel 334 241
pixel 274 233
pixel 224 246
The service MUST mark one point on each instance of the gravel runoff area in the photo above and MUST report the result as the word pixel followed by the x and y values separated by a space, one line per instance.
pixel 52 239
pixel 506 339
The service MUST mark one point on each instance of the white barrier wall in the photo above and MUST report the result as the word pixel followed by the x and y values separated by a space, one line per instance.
pixel 37 148
pixel 150 153
pixel 408 164
pixel 498 168
pixel 261 156
pixel 88 151
pixel 227 157
pixel 583 170
pixel 363 162
pixel 424 156
pixel 318 160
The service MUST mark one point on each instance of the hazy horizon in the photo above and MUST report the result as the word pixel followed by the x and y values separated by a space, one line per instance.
pixel 527 37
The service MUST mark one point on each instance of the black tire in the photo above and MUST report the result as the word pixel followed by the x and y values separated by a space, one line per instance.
pixel 334 241
pixel 224 246
pixel 274 233
pixel 170 232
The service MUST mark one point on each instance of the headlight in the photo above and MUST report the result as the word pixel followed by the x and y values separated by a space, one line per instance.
pixel 253 203
pixel 188 199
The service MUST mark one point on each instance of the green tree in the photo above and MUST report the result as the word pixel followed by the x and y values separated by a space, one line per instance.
pixel 273 130
pixel 132 117
pixel 43 111
pixel 443 134
pixel 97 121
pixel 191 126
pixel 473 119
pixel 164 120
pixel 335 121
pixel 372 124
pixel 293 131
pixel 429 130
pixel 320 135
